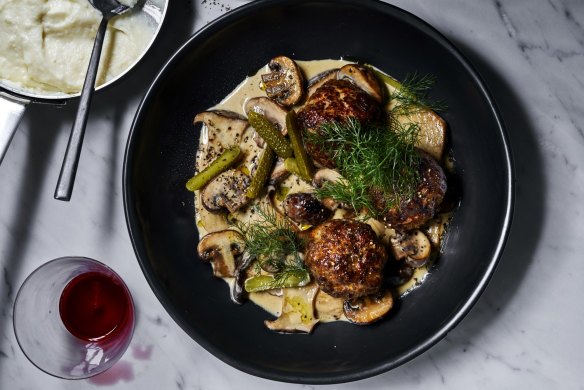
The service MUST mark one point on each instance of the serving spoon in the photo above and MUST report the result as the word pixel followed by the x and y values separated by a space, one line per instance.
pixel 108 9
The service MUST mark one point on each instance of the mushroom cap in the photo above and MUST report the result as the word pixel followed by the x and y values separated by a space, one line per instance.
pixel 285 82
pixel 365 79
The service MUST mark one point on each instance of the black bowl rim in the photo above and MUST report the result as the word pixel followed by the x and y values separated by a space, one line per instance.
pixel 440 333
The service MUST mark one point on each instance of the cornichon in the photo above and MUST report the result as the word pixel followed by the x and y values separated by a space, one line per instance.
pixel 303 162
pixel 261 174
pixel 270 134
pixel 219 165
pixel 291 165
pixel 296 278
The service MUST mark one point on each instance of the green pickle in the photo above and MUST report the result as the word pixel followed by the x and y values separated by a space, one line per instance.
pixel 297 278
pixel 219 165
pixel 303 162
pixel 270 134
pixel 261 174
pixel 291 165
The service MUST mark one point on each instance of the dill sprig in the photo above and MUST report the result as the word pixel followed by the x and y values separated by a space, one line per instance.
pixel 274 244
pixel 412 95
pixel 369 158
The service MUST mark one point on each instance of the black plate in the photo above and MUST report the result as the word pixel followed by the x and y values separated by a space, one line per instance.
pixel 160 158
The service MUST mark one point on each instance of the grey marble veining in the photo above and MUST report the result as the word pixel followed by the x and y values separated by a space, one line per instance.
pixel 525 331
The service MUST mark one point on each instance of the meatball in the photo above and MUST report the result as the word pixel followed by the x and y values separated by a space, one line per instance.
pixel 304 208
pixel 346 258
pixel 335 101
pixel 413 213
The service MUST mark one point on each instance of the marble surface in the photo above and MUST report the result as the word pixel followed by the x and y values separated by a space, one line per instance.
pixel 525 331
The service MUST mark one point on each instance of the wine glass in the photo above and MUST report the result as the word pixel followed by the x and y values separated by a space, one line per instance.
pixel 73 317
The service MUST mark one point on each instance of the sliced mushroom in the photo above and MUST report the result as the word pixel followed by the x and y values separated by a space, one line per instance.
pixel 321 78
pixel 364 78
pixel 226 191
pixel 223 249
pixel 413 246
pixel 221 123
pixel 285 83
pixel 304 208
pixel 238 293
pixel 384 232
pixel 328 308
pixel 323 175
pixel 436 228
pixel 366 310
pixel 272 111
pixel 432 134
pixel 297 314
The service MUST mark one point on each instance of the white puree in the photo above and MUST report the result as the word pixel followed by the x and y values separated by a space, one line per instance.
pixel 46 44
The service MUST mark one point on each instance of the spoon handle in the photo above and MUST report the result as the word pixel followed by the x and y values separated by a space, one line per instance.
pixel 71 159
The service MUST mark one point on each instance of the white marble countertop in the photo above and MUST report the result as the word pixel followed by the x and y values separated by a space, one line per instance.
pixel 525 331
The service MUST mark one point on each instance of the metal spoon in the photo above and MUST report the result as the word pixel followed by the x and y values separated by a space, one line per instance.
pixel 108 9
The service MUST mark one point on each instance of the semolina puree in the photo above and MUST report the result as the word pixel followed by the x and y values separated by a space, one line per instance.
pixel 46 44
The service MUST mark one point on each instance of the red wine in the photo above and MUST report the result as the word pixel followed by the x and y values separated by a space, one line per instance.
pixel 95 305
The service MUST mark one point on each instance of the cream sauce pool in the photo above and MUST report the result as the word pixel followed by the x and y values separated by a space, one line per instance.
pixel 327 308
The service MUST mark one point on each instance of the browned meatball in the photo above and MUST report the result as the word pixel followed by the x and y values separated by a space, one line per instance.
pixel 304 208
pixel 346 258
pixel 413 213
pixel 334 101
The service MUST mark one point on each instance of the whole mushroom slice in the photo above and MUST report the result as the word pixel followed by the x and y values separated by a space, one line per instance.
pixel 223 249
pixel 271 110
pixel 285 83
pixel 297 314
pixel 364 78
pixel 227 125
pixel 366 310
pixel 431 136
pixel 226 192
pixel 414 247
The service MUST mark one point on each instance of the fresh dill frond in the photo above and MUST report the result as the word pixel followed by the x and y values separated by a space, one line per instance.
pixel 369 157
pixel 273 243
pixel 412 96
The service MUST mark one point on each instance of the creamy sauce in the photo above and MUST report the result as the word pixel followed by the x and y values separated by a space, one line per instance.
pixel 46 44
pixel 327 308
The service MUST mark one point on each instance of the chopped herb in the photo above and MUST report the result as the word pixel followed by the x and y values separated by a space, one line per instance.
pixel 274 244
pixel 412 95
pixel 369 157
